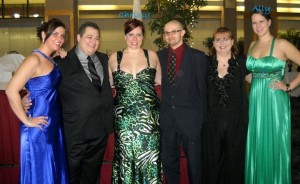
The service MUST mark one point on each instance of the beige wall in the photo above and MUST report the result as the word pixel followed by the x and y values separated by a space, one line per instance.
pixel 21 35
pixel 22 40
pixel 112 35
pixel 109 2
pixel 18 35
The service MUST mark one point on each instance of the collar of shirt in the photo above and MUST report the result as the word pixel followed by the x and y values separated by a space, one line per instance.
pixel 83 57
pixel 84 62
pixel 178 51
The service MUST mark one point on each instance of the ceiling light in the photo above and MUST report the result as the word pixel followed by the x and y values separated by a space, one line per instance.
pixel 16 15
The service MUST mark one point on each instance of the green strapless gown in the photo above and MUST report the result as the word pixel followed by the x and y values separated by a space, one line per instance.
pixel 136 107
pixel 268 153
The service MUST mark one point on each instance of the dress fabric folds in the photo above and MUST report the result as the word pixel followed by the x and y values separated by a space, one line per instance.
pixel 268 154
pixel 136 110
pixel 43 158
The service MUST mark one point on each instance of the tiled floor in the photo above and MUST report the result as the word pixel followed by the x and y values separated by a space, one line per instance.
pixel 295 104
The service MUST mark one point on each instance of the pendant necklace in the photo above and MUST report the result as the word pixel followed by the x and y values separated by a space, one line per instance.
pixel 223 64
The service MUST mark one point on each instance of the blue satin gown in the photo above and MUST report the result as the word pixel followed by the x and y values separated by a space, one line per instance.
pixel 43 159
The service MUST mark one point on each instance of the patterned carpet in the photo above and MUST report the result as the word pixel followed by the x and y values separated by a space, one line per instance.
pixel 295 104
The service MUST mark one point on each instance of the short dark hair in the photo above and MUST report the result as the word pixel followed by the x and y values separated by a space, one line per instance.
pixel 85 25
pixel 131 24
pixel 49 27
pixel 234 49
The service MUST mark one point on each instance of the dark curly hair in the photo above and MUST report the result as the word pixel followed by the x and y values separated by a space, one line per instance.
pixel 48 28
pixel 131 24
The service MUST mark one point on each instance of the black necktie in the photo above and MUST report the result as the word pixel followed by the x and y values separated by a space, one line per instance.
pixel 172 66
pixel 95 77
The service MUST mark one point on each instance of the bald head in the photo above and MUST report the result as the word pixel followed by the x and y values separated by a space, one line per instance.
pixel 175 22
pixel 174 33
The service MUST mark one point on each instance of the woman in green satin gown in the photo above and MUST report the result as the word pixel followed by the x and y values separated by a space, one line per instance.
pixel 268 152
pixel 134 71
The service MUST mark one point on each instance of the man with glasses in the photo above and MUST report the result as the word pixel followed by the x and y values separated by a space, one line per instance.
pixel 183 103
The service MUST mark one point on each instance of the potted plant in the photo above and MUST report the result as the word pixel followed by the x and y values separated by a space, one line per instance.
pixel 163 11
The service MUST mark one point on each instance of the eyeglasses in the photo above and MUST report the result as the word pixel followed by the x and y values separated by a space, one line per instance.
pixel 131 35
pixel 172 32
pixel 224 40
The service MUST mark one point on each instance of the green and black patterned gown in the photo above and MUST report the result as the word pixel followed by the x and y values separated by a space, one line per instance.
pixel 136 110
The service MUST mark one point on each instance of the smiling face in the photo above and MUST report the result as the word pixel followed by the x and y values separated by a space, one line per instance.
pixel 223 43
pixel 173 34
pixel 260 25
pixel 134 38
pixel 89 41
pixel 56 39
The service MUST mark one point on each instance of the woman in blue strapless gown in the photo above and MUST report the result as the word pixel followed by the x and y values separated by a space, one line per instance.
pixel 268 152
pixel 43 157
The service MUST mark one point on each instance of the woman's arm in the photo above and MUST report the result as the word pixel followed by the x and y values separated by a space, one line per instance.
pixel 112 66
pixel 156 64
pixel 248 78
pixel 293 54
pixel 26 71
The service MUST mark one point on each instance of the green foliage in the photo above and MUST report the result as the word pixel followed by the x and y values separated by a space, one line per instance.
pixel 208 43
pixel 292 36
pixel 163 11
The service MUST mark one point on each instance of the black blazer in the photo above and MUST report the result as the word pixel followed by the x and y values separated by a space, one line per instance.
pixel 185 103
pixel 86 111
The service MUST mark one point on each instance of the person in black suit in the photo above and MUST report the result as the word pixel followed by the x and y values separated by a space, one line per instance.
pixel 87 105
pixel 87 108
pixel 183 104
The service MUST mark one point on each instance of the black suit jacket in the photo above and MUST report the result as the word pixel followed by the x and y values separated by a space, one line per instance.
pixel 184 105
pixel 86 111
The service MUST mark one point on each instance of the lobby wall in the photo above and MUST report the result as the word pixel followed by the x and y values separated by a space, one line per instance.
pixel 20 35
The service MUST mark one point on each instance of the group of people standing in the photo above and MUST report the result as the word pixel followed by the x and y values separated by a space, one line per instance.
pixel 203 108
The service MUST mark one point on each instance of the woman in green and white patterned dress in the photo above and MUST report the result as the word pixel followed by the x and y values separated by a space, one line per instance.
pixel 134 72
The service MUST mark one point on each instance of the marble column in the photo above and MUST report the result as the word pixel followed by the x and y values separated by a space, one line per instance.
pixel 229 17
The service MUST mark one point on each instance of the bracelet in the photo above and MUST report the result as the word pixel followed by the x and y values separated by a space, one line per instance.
pixel 288 88
pixel 29 124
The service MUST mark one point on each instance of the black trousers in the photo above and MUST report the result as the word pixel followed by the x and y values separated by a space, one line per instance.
pixel 224 144
pixel 85 159
pixel 172 139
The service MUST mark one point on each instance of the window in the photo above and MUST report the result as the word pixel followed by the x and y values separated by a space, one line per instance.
pixel 22 8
